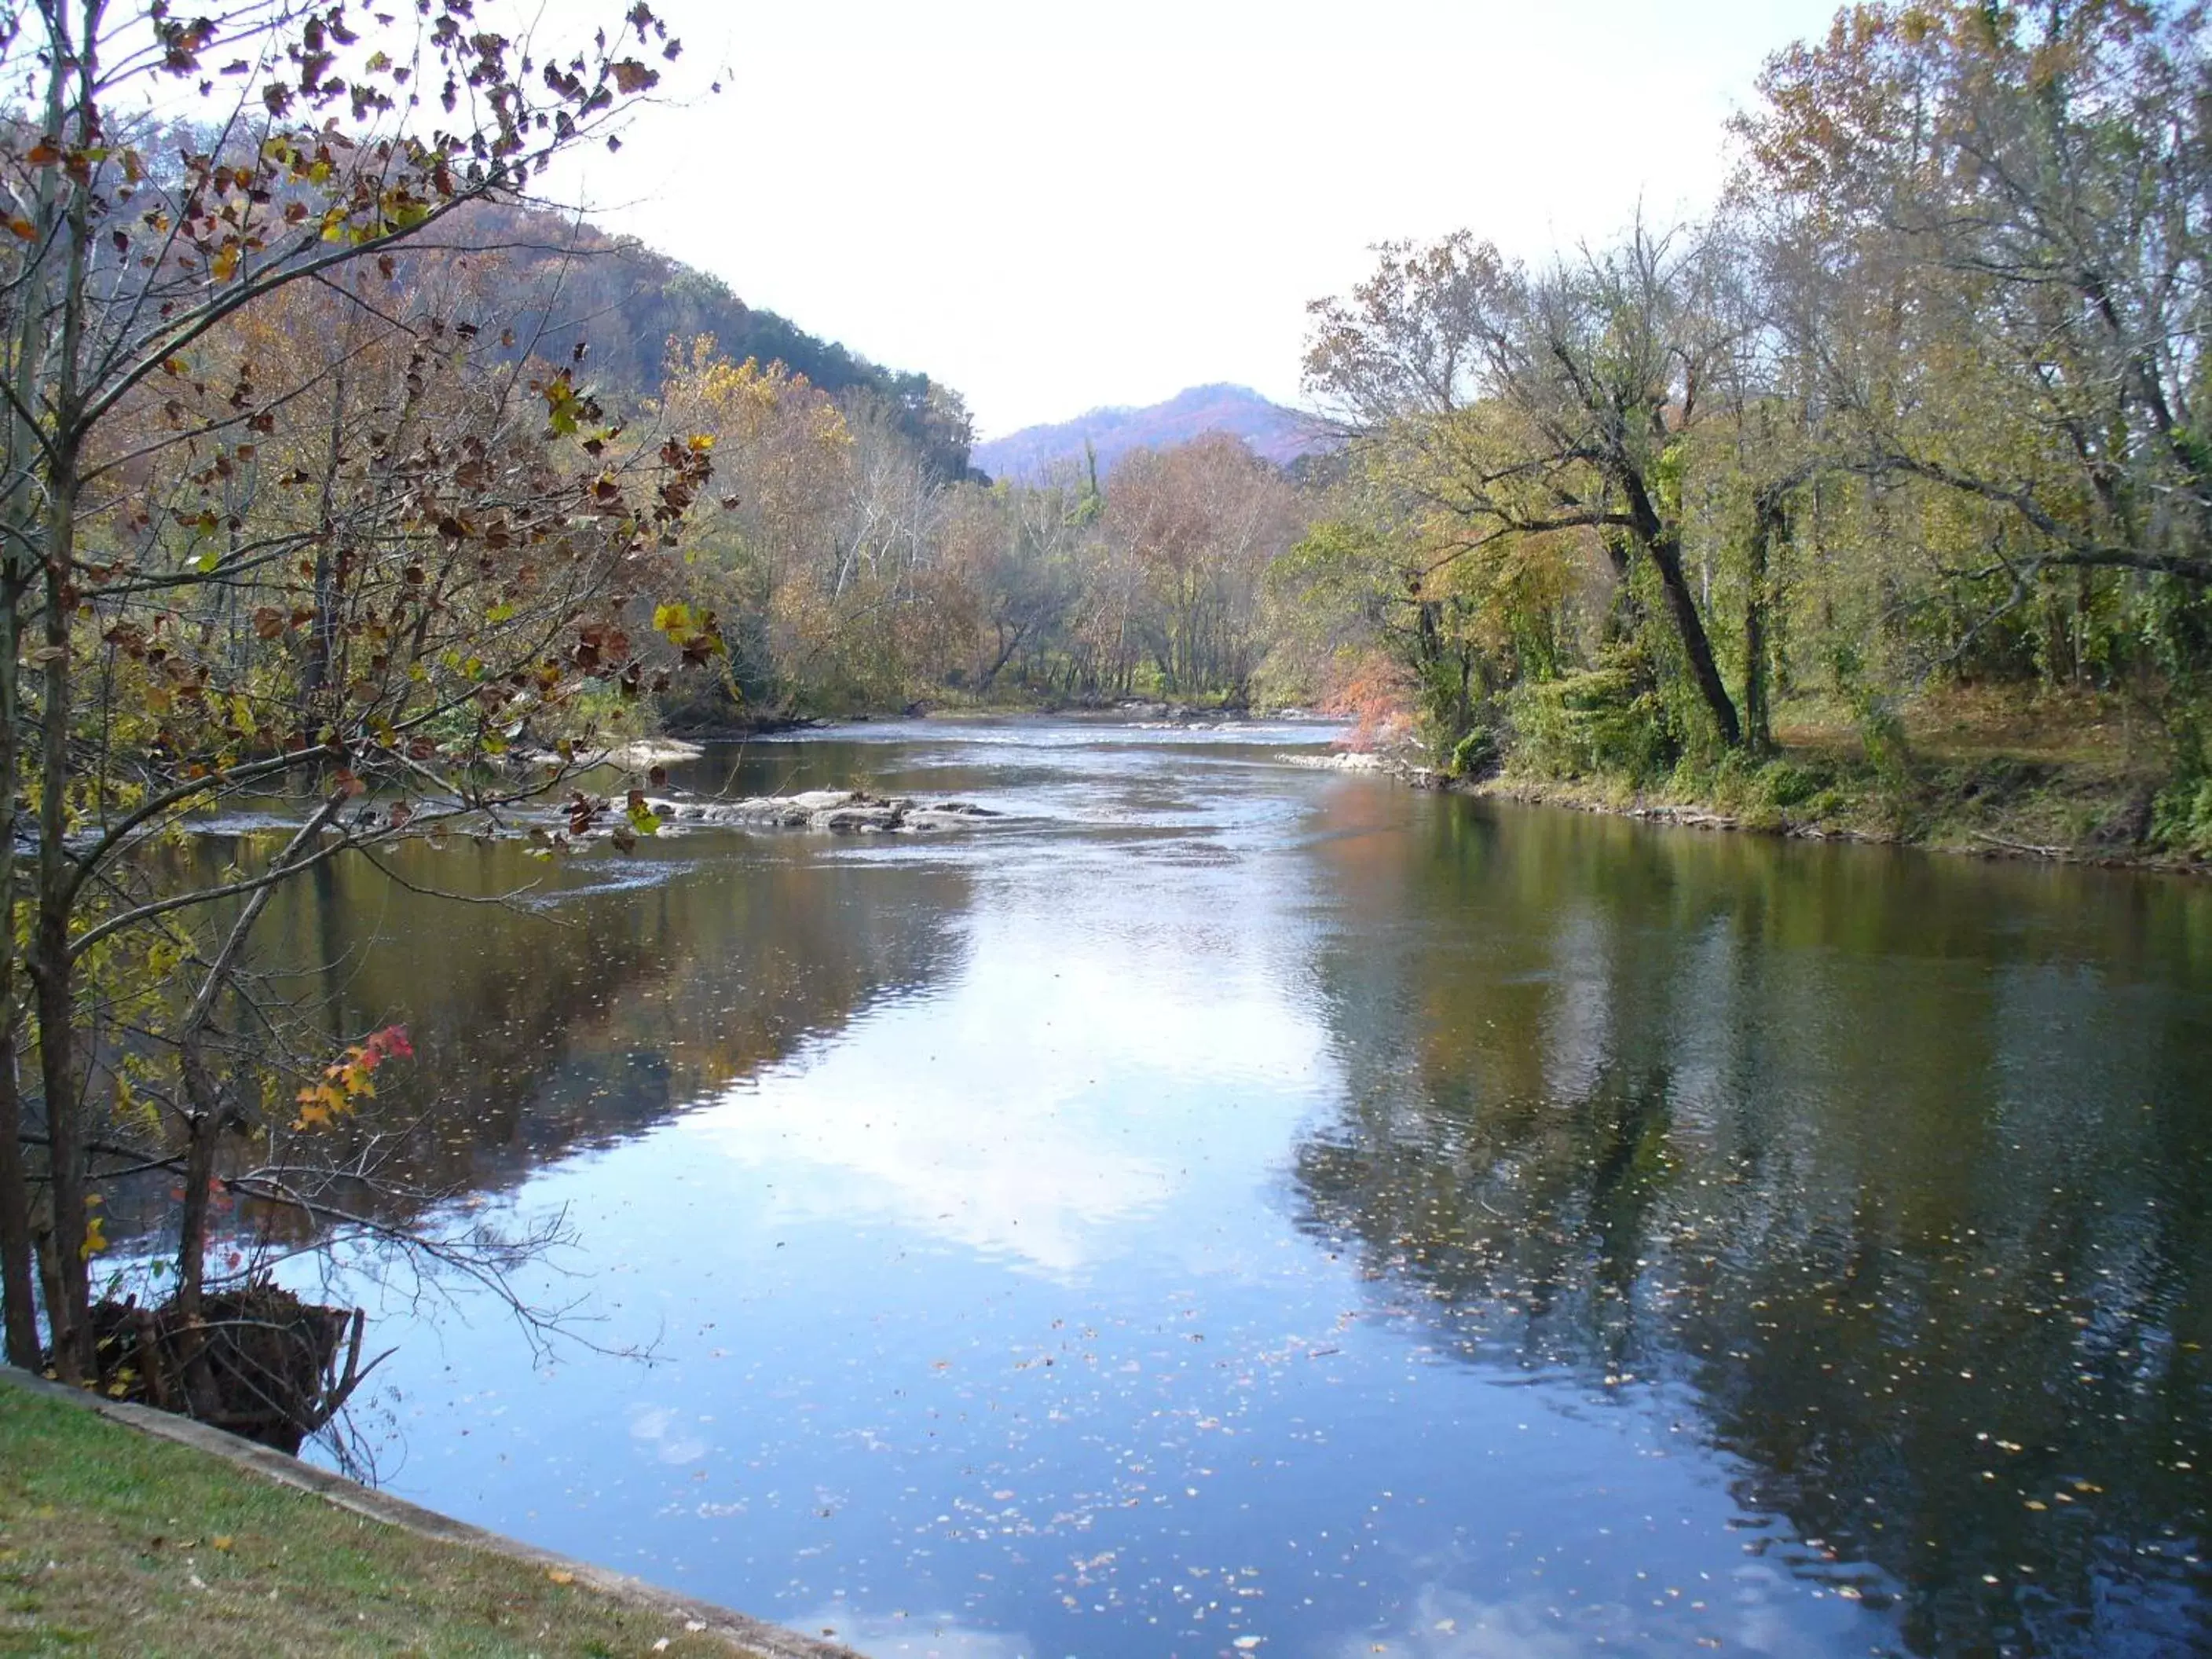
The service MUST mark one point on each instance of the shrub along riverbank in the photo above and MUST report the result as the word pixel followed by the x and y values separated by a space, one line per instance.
pixel 115 1542
pixel 2077 779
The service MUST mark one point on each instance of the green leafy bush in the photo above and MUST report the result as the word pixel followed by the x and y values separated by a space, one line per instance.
pixel 2181 816
pixel 1476 755
pixel 1607 721
pixel 2181 813
pixel 1783 784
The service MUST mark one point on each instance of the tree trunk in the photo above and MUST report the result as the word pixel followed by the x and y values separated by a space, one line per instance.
pixel 1682 608
pixel 17 1271
pixel 202 1130
pixel 1768 522
pixel 1664 548
pixel 66 1130
pixel 25 525
pixel 1620 611
pixel 49 1276
pixel 18 1274
pixel 322 631
pixel 189 1357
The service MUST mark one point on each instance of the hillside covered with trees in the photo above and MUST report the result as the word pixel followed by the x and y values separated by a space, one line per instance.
pixel 853 558
pixel 570 283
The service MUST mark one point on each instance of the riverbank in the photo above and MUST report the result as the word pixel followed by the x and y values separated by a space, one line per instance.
pixel 2070 781
pixel 1956 826
pixel 125 1531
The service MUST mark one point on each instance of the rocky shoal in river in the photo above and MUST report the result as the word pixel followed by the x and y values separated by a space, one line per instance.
pixel 846 811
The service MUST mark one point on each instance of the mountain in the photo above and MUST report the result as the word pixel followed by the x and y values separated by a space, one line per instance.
pixel 1278 435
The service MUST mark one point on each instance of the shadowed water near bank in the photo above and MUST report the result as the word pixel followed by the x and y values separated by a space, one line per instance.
pixel 1222 1206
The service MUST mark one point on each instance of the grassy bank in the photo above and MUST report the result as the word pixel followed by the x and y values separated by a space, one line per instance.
pixel 2049 777
pixel 111 1542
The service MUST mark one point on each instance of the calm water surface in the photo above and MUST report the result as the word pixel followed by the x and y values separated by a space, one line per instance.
pixel 1223 1208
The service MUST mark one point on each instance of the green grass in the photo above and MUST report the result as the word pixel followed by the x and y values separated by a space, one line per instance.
pixel 113 1542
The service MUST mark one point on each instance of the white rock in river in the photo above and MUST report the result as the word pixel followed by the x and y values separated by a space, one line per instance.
pixel 848 811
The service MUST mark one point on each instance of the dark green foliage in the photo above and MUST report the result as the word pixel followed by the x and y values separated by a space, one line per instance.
pixel 1784 784
pixel 1881 730
pixel 1477 754
pixel 2181 813
pixel 1610 721
pixel 2181 817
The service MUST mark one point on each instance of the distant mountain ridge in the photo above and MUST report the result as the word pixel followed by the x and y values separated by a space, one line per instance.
pixel 1274 433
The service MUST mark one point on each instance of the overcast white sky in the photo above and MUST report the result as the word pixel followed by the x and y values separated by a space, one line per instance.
pixel 1052 208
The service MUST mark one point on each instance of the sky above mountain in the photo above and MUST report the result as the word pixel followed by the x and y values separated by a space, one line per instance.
pixel 1053 207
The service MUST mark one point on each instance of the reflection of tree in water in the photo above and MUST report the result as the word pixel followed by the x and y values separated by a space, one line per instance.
pixel 585 1020
pixel 1912 1210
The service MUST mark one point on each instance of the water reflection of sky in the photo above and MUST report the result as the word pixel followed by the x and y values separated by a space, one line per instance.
pixel 1010 1316
pixel 978 1116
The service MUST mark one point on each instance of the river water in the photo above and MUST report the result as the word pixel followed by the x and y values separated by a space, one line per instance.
pixel 1221 1207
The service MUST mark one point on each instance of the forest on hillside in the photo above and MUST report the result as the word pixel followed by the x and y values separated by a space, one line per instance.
pixel 565 283
pixel 853 559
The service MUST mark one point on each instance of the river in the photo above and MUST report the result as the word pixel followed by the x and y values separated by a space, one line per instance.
pixel 1225 1207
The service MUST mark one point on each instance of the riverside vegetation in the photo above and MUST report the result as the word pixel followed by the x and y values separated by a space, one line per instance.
pixel 1878 500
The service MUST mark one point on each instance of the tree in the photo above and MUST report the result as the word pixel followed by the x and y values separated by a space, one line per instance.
pixel 1535 405
pixel 266 517
pixel 1013 552
pixel 2019 192
pixel 1202 520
